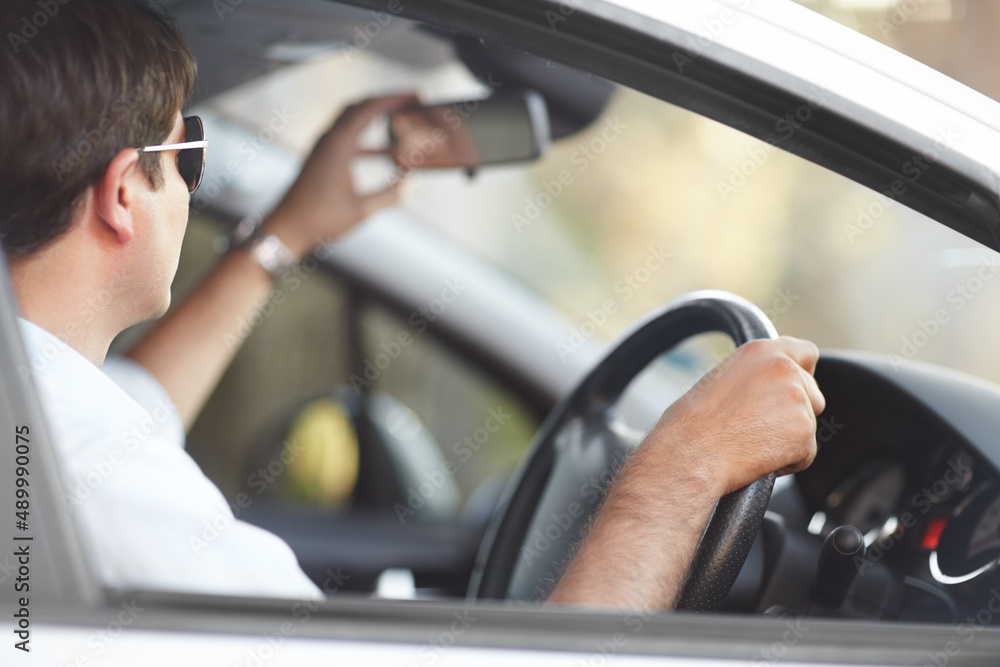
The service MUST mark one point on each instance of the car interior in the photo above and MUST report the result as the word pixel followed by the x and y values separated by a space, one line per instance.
pixel 416 401
pixel 377 471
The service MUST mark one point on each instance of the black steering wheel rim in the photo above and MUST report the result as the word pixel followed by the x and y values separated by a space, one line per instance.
pixel 510 566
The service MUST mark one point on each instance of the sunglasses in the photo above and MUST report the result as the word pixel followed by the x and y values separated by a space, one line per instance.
pixel 190 154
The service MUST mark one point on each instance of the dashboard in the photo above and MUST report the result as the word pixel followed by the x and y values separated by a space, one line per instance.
pixel 909 456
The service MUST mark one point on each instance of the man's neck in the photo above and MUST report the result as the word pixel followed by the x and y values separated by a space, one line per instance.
pixel 63 293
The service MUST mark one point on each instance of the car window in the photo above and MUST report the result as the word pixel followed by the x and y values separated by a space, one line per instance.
pixel 653 201
pixel 646 203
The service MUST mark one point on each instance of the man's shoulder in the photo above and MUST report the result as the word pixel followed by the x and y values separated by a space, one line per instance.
pixel 78 399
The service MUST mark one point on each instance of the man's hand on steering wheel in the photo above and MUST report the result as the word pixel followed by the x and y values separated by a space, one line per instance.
pixel 755 413
pixel 752 415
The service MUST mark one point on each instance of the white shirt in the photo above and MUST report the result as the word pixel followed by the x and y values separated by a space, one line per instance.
pixel 149 516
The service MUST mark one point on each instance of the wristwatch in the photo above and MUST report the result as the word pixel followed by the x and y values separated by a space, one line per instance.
pixel 268 251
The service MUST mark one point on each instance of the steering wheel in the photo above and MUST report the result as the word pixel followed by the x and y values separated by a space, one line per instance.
pixel 549 501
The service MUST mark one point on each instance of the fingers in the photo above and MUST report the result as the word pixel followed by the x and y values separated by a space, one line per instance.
pixel 356 117
pixel 806 355
pixel 790 363
pixel 816 397
pixel 378 200
pixel 803 352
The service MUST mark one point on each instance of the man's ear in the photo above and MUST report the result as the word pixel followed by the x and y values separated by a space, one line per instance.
pixel 116 195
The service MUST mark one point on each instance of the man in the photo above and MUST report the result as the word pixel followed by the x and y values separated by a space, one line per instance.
pixel 94 191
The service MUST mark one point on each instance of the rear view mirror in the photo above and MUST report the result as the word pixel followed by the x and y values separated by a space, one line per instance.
pixel 510 128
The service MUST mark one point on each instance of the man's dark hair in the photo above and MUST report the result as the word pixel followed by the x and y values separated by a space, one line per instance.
pixel 80 80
